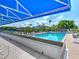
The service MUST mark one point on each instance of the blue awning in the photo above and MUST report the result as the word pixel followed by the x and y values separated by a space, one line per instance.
pixel 18 10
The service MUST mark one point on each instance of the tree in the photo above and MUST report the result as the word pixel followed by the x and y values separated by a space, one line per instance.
pixel 8 28
pixel 28 29
pixel 54 28
pixel 66 24
pixel 30 25
pixel 50 22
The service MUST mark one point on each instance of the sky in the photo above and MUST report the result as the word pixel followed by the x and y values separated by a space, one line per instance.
pixel 69 15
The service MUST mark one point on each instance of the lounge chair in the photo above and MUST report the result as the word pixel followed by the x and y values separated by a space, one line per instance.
pixel 76 38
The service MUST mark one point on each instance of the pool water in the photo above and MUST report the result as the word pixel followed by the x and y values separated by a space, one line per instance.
pixel 51 36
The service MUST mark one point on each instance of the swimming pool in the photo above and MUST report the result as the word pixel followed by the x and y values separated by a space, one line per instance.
pixel 51 36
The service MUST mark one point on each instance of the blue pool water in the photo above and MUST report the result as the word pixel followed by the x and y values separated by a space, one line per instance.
pixel 50 36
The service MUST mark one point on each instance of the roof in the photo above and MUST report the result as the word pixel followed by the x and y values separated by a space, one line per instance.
pixel 18 10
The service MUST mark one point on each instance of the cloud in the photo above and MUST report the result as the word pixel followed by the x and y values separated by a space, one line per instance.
pixel 60 17
pixel 46 17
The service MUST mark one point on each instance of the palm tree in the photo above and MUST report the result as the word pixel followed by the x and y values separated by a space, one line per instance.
pixel 30 25
pixel 50 22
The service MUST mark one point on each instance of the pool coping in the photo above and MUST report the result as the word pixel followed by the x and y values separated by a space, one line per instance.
pixel 64 38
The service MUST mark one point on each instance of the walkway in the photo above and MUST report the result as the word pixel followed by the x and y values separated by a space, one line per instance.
pixel 73 48
pixel 18 51
pixel 15 52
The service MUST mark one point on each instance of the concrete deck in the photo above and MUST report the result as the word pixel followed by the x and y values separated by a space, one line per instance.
pixel 19 51
pixel 73 48
pixel 15 52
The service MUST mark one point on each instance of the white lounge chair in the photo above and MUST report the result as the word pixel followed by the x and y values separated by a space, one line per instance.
pixel 75 38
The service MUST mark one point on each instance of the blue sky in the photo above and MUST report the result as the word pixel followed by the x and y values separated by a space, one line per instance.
pixel 70 15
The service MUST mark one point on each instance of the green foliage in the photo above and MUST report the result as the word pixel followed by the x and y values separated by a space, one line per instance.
pixel 8 28
pixel 66 24
pixel 28 29
pixel 42 28
pixel 54 28
pixel 75 30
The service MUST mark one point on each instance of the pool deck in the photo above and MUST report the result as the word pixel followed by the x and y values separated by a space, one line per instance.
pixel 14 51
pixel 19 51
pixel 73 48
